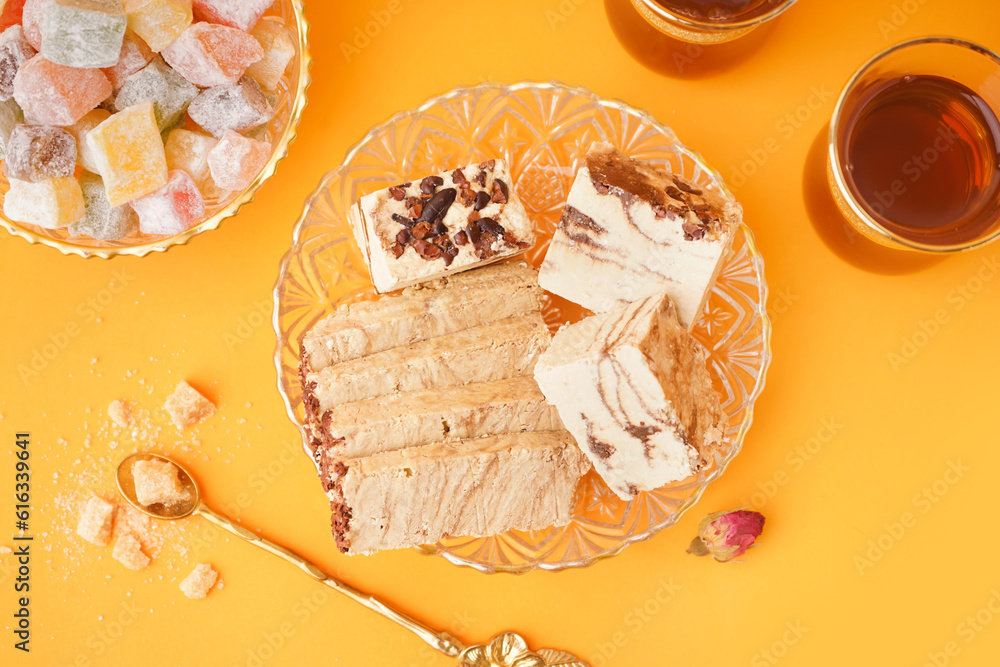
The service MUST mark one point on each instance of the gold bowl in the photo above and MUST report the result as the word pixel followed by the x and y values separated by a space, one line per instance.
pixel 280 131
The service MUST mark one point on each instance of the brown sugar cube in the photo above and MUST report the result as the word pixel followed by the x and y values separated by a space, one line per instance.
pixel 95 521
pixel 128 552
pixel 120 413
pixel 158 482
pixel 187 407
pixel 197 584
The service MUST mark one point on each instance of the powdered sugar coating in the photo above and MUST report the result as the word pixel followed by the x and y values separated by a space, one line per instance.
pixel 169 92
pixel 83 33
pixel 56 94
pixel 188 151
pixel 134 55
pixel 31 20
pixel 279 50
pixel 173 208
pixel 158 22
pixel 10 115
pixel 80 129
pixel 237 160
pixel 39 152
pixel 14 52
pixel 239 107
pixel 53 203
pixel 212 55
pixel 242 14
pixel 102 220
pixel 129 153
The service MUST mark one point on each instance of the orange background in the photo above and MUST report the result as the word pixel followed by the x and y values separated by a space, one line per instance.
pixel 876 550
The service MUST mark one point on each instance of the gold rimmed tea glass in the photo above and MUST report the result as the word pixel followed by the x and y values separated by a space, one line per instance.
pixel 976 70
pixel 669 17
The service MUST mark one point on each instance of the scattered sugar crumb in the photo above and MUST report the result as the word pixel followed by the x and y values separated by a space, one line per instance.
pixel 187 406
pixel 96 521
pixel 6 550
pixel 120 413
pixel 197 584
pixel 128 552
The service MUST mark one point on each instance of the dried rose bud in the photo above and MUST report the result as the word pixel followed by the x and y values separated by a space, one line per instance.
pixel 727 535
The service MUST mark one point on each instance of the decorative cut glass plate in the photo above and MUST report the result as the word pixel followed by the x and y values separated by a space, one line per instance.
pixel 290 100
pixel 543 130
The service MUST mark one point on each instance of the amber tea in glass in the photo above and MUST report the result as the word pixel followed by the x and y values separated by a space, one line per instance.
pixel 915 147
pixel 709 21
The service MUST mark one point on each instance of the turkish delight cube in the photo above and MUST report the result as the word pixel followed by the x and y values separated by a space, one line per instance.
pixel 237 160
pixel 239 107
pixel 55 203
pixel 40 152
pixel 129 154
pixel 169 92
pixel 102 221
pixel 242 14
pixel 279 50
pixel 158 22
pixel 57 94
pixel 212 55
pixel 83 33
pixel 14 52
pixel 173 208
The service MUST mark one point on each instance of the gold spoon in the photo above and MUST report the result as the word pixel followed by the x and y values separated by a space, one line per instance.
pixel 504 650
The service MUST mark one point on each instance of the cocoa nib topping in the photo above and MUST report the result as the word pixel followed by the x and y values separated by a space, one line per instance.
pixel 602 187
pixel 490 225
pixel 481 178
pixel 397 192
pixel 421 230
pixel 458 176
pixel 488 165
pixel 461 238
pixel 430 184
pixel 694 231
pixel 472 229
pixel 426 249
pixel 403 220
pixel 437 206
pixel 425 229
pixel 467 197
pixel 473 216
pixel 659 211
pixel 501 193
pixel 482 200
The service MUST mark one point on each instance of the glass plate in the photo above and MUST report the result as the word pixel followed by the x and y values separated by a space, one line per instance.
pixel 543 130
pixel 280 131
